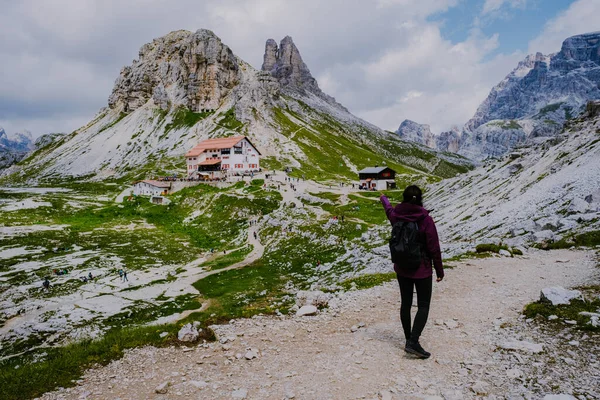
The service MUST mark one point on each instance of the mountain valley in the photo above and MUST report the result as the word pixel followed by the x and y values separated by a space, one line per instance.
pixel 231 263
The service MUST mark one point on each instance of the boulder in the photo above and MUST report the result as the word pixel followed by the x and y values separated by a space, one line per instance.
pixel 188 333
pixel 543 235
pixel 521 345
pixel 163 388
pixel 594 318
pixel 315 298
pixel 306 310
pixel 549 223
pixel 505 253
pixel 558 295
pixel 578 206
pixel 251 354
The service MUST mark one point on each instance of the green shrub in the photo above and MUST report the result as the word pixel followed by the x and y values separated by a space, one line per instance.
pixel 490 247
pixel 516 252
pixel 586 239
pixel 368 281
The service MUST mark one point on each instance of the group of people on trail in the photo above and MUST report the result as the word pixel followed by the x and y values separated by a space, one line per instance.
pixel 336 219
pixel 123 275
pixel 415 247
pixel 59 272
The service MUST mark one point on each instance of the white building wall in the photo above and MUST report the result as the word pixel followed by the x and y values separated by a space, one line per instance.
pixel 248 160
pixel 145 189
pixel 379 184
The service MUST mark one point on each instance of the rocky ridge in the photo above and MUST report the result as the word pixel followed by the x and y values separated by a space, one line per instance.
pixel 14 150
pixel 534 100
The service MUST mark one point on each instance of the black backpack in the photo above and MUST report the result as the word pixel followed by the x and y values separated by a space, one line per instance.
pixel 405 245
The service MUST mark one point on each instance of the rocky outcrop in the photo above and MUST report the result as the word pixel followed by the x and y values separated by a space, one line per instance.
pixel 47 139
pixel 14 150
pixel 195 70
pixel 448 141
pixel 285 64
pixel 581 51
pixel 414 132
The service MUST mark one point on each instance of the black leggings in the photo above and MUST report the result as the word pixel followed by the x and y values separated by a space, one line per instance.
pixel 423 287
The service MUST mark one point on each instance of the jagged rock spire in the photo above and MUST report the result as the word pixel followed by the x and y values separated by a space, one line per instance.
pixel 285 63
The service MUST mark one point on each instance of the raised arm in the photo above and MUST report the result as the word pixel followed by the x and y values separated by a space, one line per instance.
pixel 386 206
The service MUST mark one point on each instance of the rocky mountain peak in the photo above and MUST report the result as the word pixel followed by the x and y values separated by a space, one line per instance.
pixel 182 68
pixel 285 63
pixel 577 50
pixel 420 133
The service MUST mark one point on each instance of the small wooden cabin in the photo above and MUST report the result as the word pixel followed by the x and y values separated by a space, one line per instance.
pixel 377 178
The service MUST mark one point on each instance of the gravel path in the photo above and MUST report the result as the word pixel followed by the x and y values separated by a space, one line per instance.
pixel 475 309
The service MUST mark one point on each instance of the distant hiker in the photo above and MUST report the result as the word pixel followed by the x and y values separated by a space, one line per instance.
pixel 125 276
pixel 90 276
pixel 422 247
pixel 46 283
pixel 121 274
pixel 255 236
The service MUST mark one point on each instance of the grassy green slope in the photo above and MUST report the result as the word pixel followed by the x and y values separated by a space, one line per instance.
pixel 330 146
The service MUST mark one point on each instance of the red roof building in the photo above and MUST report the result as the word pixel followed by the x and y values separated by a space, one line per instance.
pixel 232 154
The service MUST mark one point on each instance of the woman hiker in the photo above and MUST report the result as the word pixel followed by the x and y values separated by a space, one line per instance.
pixel 411 210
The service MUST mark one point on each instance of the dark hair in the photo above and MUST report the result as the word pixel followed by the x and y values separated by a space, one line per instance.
pixel 413 195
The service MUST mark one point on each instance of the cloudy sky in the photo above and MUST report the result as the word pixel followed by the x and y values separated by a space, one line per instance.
pixel 432 61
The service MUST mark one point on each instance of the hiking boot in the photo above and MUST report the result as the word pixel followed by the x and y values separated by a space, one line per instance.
pixel 416 349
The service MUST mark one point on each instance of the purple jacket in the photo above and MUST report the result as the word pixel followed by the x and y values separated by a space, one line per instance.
pixel 413 213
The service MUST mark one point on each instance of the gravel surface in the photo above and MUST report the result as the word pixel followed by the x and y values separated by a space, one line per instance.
pixel 481 346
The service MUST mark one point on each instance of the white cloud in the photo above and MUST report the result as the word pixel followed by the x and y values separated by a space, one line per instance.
pixel 580 17
pixel 491 6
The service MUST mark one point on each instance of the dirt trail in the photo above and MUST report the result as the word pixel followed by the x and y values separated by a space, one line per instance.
pixel 321 358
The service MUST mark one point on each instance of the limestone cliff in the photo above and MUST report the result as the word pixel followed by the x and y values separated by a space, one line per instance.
pixel 195 70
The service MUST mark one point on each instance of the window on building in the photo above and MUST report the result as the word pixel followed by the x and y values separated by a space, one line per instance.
pixel 386 174
pixel 225 151
pixel 237 150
